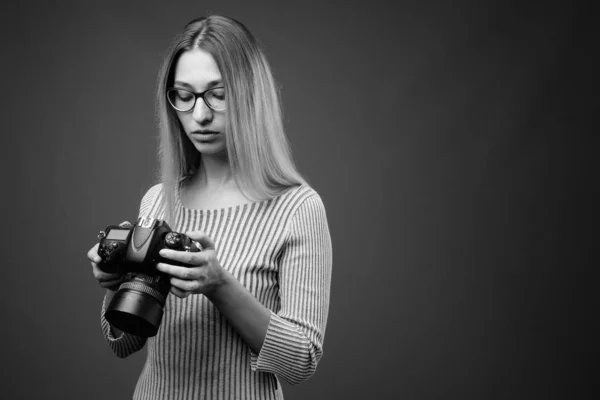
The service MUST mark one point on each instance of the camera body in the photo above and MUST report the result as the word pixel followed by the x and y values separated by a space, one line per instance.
pixel 137 307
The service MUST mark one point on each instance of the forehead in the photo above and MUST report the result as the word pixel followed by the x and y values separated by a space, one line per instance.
pixel 197 68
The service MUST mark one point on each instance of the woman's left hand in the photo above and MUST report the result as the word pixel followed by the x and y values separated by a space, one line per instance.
pixel 204 273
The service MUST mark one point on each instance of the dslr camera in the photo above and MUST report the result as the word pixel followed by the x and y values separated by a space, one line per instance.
pixel 137 307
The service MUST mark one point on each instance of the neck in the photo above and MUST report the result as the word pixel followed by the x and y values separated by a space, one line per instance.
pixel 214 172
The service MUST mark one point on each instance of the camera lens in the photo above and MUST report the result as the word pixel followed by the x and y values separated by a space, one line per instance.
pixel 137 307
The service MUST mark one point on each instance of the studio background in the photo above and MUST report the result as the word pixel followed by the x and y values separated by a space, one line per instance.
pixel 450 142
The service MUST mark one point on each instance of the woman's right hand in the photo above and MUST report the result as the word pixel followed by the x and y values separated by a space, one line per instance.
pixel 107 280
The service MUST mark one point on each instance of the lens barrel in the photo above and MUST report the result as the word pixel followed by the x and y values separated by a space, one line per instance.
pixel 137 307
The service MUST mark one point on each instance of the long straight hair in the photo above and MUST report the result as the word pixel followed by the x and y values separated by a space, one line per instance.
pixel 259 155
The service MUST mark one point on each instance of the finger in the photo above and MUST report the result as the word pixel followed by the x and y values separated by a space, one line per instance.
pixel 92 254
pixel 195 246
pixel 112 284
pixel 178 272
pixel 125 224
pixel 205 241
pixel 100 274
pixel 179 293
pixel 185 285
pixel 186 257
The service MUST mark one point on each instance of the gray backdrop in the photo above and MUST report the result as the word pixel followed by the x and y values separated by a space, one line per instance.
pixel 450 142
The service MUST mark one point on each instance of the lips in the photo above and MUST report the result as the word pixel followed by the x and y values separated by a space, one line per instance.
pixel 205 133
pixel 204 136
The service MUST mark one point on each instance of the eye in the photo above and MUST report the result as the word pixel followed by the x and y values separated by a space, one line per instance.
pixel 218 93
pixel 184 95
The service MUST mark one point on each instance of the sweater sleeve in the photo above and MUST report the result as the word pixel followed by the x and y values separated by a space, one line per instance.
pixel 124 345
pixel 293 343
pixel 127 344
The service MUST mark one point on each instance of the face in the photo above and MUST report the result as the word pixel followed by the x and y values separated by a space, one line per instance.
pixel 196 70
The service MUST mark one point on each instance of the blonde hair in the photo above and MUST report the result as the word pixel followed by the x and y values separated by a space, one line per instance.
pixel 258 151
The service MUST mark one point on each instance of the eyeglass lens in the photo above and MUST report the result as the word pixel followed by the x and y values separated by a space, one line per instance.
pixel 184 100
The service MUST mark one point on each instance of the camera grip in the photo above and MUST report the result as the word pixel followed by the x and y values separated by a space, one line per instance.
pixel 180 242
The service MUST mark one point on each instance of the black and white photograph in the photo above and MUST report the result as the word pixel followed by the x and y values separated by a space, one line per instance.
pixel 299 200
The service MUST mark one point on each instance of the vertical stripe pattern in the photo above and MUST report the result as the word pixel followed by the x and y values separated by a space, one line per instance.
pixel 280 250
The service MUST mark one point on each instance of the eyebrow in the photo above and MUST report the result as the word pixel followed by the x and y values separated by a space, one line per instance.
pixel 210 84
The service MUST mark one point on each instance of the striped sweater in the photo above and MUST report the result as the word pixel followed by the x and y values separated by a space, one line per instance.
pixel 280 250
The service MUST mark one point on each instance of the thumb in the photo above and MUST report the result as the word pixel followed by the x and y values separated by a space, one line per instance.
pixel 201 237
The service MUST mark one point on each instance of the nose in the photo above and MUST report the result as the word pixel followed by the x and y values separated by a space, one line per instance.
pixel 201 113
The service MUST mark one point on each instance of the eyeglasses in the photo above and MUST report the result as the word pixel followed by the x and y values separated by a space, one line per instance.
pixel 184 100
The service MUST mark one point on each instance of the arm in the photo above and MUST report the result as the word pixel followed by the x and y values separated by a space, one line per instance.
pixel 293 343
pixel 122 344
pixel 243 311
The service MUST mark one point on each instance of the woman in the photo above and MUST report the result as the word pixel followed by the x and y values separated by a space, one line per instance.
pixel 252 305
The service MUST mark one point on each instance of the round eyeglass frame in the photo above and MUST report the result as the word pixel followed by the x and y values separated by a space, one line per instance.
pixel 196 95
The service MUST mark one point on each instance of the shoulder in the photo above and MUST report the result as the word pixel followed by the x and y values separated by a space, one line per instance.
pixel 302 201
pixel 294 196
pixel 152 193
pixel 151 199
pixel 306 219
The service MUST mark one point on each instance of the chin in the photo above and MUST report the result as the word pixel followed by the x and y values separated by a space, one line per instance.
pixel 213 149
pixel 209 147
